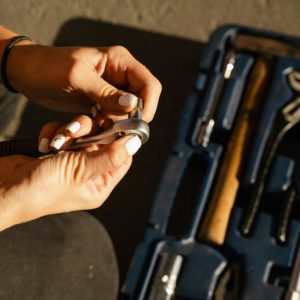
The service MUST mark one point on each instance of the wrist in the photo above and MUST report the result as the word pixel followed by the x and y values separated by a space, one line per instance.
pixel 5 37
pixel 9 43
pixel 19 64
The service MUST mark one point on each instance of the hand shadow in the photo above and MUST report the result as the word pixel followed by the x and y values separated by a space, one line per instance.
pixel 174 61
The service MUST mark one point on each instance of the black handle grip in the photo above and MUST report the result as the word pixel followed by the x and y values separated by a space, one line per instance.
pixel 24 147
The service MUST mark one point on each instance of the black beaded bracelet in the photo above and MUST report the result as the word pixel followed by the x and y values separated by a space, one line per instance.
pixel 5 55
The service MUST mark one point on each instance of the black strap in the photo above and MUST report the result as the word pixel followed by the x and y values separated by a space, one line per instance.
pixel 5 55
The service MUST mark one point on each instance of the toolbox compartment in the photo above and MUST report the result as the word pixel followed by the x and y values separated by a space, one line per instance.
pixel 253 266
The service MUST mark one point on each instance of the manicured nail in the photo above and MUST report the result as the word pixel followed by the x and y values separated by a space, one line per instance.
pixel 44 145
pixel 73 127
pixel 58 141
pixel 133 145
pixel 128 100
pixel 94 111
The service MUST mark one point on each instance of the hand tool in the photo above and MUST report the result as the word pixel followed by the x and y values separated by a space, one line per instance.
pixel 164 281
pixel 285 215
pixel 195 269
pixel 208 124
pixel 120 128
pixel 214 226
pixel 281 194
pixel 293 292
pixel 285 119
pixel 134 125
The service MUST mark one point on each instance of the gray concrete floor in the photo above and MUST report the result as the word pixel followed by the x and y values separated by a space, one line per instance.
pixel 192 19
pixel 167 36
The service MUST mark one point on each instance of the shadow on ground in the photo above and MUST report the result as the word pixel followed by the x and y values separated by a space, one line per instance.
pixel 174 61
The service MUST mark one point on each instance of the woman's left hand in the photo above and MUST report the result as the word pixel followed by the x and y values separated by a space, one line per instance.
pixel 73 79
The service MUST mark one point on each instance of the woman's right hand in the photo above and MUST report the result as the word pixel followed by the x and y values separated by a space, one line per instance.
pixel 34 187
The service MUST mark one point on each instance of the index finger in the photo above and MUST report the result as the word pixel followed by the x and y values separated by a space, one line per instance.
pixel 124 70
pixel 147 87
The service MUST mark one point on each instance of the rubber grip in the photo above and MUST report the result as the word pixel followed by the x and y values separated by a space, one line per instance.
pixel 22 147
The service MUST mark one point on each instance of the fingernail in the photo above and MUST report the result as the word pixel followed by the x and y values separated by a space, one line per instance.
pixel 133 145
pixel 58 141
pixel 94 111
pixel 44 145
pixel 73 127
pixel 128 100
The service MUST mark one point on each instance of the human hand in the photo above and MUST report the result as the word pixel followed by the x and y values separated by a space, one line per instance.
pixel 73 78
pixel 68 181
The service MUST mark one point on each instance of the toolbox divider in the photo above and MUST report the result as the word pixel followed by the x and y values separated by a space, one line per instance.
pixel 255 266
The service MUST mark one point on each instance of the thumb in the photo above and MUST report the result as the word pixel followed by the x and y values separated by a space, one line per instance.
pixel 97 173
pixel 109 97
pixel 113 156
pixel 110 166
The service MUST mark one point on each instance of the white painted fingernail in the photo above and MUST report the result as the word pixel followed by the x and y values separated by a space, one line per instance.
pixel 44 145
pixel 133 145
pixel 73 127
pixel 128 100
pixel 94 111
pixel 58 141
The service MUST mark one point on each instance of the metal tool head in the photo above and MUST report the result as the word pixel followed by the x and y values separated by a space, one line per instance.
pixel 294 80
pixel 137 112
pixel 291 111
pixel 134 125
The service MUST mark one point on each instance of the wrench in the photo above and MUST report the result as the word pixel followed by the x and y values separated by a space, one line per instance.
pixel 134 125
pixel 285 119
pixel 131 126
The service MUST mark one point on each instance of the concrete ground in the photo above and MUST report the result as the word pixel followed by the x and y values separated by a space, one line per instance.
pixel 167 36
pixel 192 19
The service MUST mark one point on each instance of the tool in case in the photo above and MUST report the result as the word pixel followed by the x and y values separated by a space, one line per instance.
pixel 225 221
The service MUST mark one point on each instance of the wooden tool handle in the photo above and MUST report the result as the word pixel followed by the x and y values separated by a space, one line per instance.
pixel 218 213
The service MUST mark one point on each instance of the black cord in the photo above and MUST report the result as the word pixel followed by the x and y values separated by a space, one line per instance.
pixel 4 60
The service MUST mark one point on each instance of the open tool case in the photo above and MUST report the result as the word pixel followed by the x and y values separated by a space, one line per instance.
pixel 243 116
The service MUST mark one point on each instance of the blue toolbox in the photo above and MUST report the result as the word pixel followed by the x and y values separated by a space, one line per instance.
pixel 225 222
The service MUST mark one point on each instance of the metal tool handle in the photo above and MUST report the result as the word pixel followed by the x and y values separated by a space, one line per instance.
pixel 164 281
pixel 121 128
